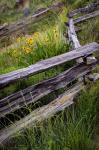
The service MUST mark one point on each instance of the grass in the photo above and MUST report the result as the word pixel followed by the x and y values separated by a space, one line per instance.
pixel 75 127
pixel 89 32
pixel 9 14
pixel 72 129
pixel 29 50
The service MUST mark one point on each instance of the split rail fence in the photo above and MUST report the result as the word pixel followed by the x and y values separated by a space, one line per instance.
pixel 7 30
pixel 86 63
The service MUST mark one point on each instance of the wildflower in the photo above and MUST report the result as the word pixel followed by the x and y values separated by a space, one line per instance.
pixel 55 31
pixel 27 50
pixel 29 41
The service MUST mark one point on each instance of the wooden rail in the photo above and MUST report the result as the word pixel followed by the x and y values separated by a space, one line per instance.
pixel 73 39
pixel 86 17
pixel 72 33
pixel 47 64
pixel 8 30
pixel 93 77
pixel 34 93
pixel 40 114
pixel 90 8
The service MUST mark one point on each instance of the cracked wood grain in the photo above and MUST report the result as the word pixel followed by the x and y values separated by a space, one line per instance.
pixel 43 65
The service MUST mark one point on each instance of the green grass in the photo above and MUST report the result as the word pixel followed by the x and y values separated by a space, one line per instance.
pixel 49 43
pixel 89 32
pixel 10 14
pixel 72 129
pixel 75 127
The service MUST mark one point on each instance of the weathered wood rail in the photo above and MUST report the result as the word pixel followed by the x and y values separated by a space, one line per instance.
pixel 47 64
pixel 8 30
pixel 86 63
pixel 42 113
pixel 90 8
pixel 86 17
pixel 34 93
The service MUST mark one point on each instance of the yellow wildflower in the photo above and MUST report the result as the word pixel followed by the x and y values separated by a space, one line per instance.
pixel 27 50
pixel 29 41
pixel 55 31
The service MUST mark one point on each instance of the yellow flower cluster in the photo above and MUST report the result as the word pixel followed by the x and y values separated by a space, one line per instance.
pixel 29 41
pixel 27 50
pixel 28 44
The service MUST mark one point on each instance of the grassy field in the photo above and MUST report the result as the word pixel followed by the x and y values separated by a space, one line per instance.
pixel 75 127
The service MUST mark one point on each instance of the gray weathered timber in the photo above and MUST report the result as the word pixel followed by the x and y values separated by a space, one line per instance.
pixel 90 8
pixel 10 29
pixel 40 114
pixel 74 40
pixel 72 35
pixel 93 77
pixel 86 17
pixel 90 59
pixel 43 65
pixel 35 92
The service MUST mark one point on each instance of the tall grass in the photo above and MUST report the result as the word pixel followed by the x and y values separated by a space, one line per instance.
pixel 31 49
pixel 72 129
pixel 10 14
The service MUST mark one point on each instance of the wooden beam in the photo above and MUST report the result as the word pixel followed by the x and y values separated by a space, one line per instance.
pixel 90 8
pixel 41 66
pixel 86 17
pixel 41 114
pixel 73 38
pixel 93 76
pixel 75 42
pixel 72 35
pixel 35 92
